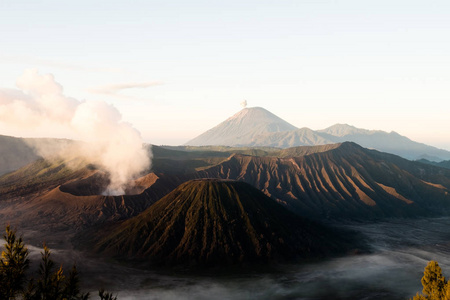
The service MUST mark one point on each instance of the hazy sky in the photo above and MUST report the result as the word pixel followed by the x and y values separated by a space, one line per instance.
pixel 176 68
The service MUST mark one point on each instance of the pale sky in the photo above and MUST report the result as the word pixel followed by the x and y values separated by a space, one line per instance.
pixel 174 69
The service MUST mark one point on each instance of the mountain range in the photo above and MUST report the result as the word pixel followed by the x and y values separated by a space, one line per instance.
pixel 257 127
pixel 330 181
pixel 243 196
pixel 62 198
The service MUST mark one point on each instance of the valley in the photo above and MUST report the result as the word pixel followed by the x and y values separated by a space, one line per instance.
pixel 400 249
pixel 203 220
pixel 224 150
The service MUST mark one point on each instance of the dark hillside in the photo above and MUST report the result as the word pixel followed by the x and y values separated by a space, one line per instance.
pixel 344 182
pixel 214 222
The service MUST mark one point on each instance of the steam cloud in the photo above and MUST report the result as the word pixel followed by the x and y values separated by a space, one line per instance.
pixel 244 104
pixel 109 141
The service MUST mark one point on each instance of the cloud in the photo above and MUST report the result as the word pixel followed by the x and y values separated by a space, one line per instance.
pixel 115 89
pixel 114 144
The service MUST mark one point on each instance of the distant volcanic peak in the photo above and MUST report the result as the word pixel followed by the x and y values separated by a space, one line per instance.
pixel 261 116
pixel 242 127
pixel 217 222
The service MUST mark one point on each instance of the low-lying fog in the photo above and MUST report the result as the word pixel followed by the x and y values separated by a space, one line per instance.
pixel 401 250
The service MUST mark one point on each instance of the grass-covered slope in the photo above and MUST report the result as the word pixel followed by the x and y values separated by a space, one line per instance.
pixel 212 222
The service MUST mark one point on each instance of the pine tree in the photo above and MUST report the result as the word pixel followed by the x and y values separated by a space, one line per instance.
pixel 51 284
pixel 72 289
pixel 46 284
pixel 433 282
pixel 13 265
pixel 435 287
pixel 419 297
pixel 447 291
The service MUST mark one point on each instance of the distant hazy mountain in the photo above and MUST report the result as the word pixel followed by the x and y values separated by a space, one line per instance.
pixel 442 164
pixel 15 153
pixel 256 127
pixel 293 138
pixel 341 130
pixel 391 142
pixel 242 127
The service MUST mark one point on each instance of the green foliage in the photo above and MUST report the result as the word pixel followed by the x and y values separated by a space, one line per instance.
pixel 13 265
pixel 435 286
pixel 51 282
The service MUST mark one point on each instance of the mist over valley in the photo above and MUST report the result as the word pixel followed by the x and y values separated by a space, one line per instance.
pixel 256 207
pixel 310 222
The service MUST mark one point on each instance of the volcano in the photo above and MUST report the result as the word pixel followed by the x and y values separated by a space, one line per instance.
pixel 243 127
pixel 215 222
pixel 257 127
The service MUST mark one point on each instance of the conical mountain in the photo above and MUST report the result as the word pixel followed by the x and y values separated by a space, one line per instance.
pixel 257 127
pixel 242 128
pixel 214 222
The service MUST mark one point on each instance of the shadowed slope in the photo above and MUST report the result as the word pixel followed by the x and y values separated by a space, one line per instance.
pixel 218 222
pixel 59 198
pixel 345 181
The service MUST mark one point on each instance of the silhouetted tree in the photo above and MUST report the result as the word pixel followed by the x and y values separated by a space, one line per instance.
pixel 72 288
pixel 51 283
pixel 106 296
pixel 13 265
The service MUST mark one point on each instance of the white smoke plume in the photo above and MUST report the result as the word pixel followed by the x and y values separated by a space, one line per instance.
pixel 244 104
pixel 115 145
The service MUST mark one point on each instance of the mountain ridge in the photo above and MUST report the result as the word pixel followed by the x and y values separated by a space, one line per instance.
pixel 336 182
pixel 347 181
pixel 233 133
